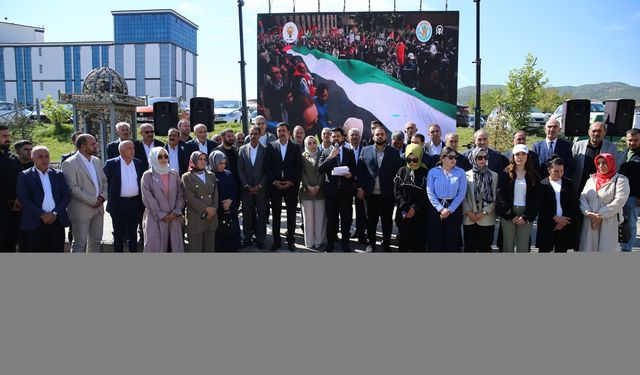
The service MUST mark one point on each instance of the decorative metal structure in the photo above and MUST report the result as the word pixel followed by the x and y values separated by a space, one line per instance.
pixel 103 103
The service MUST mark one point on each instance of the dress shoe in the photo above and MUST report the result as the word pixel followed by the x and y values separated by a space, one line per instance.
pixel 328 248
pixel 276 246
pixel 260 245
pixel 346 248
pixel 291 246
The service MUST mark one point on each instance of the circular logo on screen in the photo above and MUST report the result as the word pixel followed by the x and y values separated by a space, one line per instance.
pixel 290 32
pixel 424 31
pixel 439 30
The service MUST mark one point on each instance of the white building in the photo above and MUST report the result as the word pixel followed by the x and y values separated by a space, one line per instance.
pixel 154 50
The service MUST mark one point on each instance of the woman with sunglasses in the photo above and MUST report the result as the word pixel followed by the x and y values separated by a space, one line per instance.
pixel 558 210
pixel 201 197
pixel 162 195
pixel 410 186
pixel 446 189
pixel 479 205
pixel 518 200
pixel 601 201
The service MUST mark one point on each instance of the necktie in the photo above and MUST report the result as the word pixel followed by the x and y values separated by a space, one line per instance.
pixel 550 148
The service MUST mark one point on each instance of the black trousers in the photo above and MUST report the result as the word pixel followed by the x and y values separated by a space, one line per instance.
pixel 444 235
pixel 361 219
pixel 411 233
pixel 290 196
pixel 379 207
pixel 339 214
pixel 47 238
pixel 8 230
pixel 125 224
pixel 478 238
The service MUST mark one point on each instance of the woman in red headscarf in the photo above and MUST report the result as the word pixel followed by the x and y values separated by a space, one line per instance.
pixel 601 203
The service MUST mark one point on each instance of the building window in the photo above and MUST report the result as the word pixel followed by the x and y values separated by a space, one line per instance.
pixel 41 86
pixel 40 52
pixel 40 68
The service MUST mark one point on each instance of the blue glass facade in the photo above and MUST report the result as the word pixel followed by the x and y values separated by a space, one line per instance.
pixel 173 70
pixel 68 87
pixel 184 74
pixel 195 76
pixel 77 78
pixel 119 50
pixel 95 57
pixel 3 87
pixel 19 74
pixel 105 55
pixel 28 76
pixel 140 89
pixel 165 67
pixel 154 28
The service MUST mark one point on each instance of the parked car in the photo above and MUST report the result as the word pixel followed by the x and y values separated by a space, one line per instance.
pixel 636 118
pixel 536 117
pixel 472 121
pixel 597 109
pixel 33 115
pixel 227 111
pixel 8 111
pixel 144 114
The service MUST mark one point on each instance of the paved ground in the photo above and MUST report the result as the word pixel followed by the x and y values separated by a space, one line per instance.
pixel 107 240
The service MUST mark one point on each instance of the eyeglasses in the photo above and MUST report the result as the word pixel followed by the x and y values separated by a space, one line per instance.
pixel 412 160
pixel 163 156
pixel 451 157
pixel 482 157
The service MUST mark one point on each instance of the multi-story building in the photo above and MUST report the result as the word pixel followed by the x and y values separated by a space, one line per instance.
pixel 154 50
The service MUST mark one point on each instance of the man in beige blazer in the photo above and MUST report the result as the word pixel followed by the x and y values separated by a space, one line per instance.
pixel 88 186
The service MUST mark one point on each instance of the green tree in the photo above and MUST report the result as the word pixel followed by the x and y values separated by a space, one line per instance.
pixel 523 91
pixel 550 99
pixel 489 100
pixel 56 113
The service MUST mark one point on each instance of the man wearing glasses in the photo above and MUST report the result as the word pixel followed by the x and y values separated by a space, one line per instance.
pixel 497 161
pixel 144 146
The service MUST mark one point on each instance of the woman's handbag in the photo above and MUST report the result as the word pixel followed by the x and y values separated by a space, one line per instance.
pixel 226 224
pixel 624 228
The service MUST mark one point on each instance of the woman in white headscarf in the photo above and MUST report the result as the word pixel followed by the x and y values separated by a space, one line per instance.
pixel 162 195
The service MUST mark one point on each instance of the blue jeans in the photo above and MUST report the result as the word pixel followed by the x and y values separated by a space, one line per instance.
pixel 631 212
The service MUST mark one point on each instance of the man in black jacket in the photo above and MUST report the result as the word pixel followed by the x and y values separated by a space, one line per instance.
pixel 144 146
pixel 377 169
pixel 630 167
pixel 338 188
pixel 9 205
pixel 284 171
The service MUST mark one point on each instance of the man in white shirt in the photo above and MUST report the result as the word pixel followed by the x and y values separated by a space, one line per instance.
pixel 201 143
pixel 354 137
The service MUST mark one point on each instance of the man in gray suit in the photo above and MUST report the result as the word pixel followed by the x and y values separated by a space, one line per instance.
pixel 88 186
pixel 253 180
pixel 585 151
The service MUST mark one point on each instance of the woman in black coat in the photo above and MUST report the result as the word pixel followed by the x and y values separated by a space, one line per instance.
pixel 557 217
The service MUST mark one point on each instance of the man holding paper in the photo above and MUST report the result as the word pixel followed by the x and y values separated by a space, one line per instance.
pixel 338 163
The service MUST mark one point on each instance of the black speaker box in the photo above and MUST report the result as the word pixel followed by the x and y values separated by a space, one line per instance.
pixel 618 115
pixel 201 110
pixel 165 116
pixel 575 117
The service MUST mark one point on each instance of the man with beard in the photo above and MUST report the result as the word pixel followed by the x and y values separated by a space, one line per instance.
pixel 298 136
pixel 23 153
pixel 231 152
pixel 184 126
pixel 272 95
pixel 9 205
pixel 321 104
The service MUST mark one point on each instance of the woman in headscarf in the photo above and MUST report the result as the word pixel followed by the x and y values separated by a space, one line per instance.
pixel 228 231
pixel 311 197
pixel 162 195
pixel 410 189
pixel 479 219
pixel 601 203
pixel 558 210
pixel 201 196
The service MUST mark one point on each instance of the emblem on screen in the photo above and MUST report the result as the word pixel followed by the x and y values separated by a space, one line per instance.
pixel 290 32
pixel 424 31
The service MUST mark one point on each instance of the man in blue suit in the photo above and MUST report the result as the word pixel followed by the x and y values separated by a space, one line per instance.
pixel 201 143
pixel 124 199
pixel 44 195
pixel 377 169
pixel 552 145
pixel 123 130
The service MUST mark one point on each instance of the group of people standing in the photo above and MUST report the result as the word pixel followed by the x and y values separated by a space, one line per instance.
pixel 444 201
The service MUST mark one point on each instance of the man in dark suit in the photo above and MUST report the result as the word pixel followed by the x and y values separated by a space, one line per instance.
pixel 253 186
pixel 144 146
pixel 231 152
pixel 178 156
pixel 338 189
pixel 123 130
pixel 354 139
pixel 284 168
pixel 520 138
pixel 377 169
pixel 435 144
pixel 44 195
pixel 452 140
pixel 124 199
pixel 9 205
pixel 629 161
pixel 553 145
pixel 201 143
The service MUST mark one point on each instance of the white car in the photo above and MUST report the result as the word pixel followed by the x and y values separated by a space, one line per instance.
pixel 227 111
pixel 597 109
pixel 536 117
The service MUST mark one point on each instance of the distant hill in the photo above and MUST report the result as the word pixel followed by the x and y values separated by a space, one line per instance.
pixel 598 91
